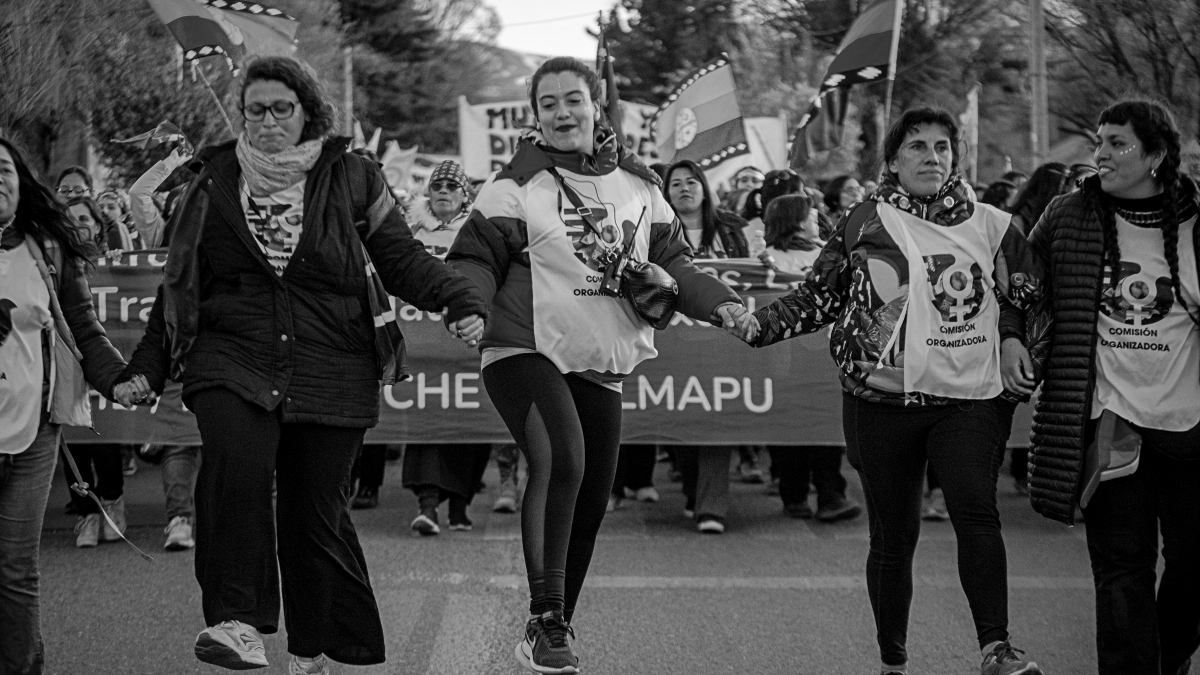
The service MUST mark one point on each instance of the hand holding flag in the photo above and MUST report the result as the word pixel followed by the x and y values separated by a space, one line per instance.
pixel 164 133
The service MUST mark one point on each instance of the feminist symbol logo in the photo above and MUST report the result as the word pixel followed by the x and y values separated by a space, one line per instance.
pixel 1140 299
pixel 957 287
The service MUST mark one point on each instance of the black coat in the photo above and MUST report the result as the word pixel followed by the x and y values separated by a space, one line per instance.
pixel 304 341
pixel 1069 240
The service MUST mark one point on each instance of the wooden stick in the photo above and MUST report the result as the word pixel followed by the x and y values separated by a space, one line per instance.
pixel 220 106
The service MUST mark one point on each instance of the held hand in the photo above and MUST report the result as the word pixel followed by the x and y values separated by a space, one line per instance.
pixel 468 329
pixel 123 394
pixel 1016 368
pixel 140 392
pixel 737 321
pixel 114 255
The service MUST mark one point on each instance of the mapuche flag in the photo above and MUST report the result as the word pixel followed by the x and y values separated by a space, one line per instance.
pixel 234 29
pixel 867 54
pixel 610 100
pixel 701 120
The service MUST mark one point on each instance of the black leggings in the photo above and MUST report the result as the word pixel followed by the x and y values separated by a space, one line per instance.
pixel 570 431
pixel 889 446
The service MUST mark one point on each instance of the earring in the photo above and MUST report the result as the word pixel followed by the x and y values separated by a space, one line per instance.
pixel 1154 173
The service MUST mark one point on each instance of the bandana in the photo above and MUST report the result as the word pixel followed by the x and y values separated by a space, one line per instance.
pixel 949 206
pixel 267 174
pixel 450 171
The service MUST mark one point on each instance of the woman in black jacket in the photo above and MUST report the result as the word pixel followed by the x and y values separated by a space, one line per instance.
pixel 1123 343
pixel 51 347
pixel 277 327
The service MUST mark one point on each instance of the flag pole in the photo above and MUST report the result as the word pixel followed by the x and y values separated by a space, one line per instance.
pixel 217 100
pixel 891 78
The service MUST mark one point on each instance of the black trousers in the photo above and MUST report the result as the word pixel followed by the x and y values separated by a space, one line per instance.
pixel 889 446
pixel 100 467
pixel 635 468
pixel 327 598
pixel 1141 630
pixel 368 468
pixel 569 430
pixel 797 466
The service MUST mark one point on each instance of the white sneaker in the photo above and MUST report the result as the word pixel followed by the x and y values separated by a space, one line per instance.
pixel 179 534
pixel 115 508
pixel 233 645
pixel 711 526
pixel 647 494
pixel 87 531
pixel 302 666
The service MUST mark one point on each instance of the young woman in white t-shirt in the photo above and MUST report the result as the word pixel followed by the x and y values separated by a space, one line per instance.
pixel 1123 339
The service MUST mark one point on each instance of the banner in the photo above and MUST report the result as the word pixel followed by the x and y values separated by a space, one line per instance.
pixel 488 132
pixel 705 387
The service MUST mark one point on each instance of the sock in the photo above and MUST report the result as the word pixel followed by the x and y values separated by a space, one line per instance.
pixel 428 497
pixel 990 646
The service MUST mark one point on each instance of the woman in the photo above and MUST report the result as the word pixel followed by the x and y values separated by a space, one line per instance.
pixel 711 232
pixel 791 236
pixel 87 215
pixel 266 316
pixel 556 349
pixel 47 328
pixel 1126 344
pixel 73 181
pixel 777 184
pixel 114 211
pixel 925 388
pixel 444 472
pixel 999 194
pixel 841 193
pixel 1047 182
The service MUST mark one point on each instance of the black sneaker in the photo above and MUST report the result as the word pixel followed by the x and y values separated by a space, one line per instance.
pixel 1004 660
pixel 546 648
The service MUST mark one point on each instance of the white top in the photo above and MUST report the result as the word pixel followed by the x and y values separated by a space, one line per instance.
pixel 437 236
pixel 276 222
pixel 794 261
pixel 1148 352
pixel 24 315
pixel 952 340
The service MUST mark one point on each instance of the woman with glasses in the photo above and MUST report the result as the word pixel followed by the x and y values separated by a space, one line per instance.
pixel 442 472
pixel 273 315
pixel 74 181
pixel 841 193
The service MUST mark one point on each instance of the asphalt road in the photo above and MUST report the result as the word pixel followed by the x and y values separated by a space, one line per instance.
pixel 771 595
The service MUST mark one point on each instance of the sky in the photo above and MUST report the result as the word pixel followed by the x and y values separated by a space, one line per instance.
pixel 550 27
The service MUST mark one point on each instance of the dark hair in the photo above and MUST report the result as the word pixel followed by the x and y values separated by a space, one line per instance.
pixel 908 122
pixel 1155 128
pixel 660 169
pixel 778 183
pixel 783 218
pixel 753 208
pixel 1047 182
pixel 1014 176
pixel 997 194
pixel 833 193
pixel 708 211
pixel 301 79
pixel 564 64
pixel 97 217
pixel 78 171
pixel 42 216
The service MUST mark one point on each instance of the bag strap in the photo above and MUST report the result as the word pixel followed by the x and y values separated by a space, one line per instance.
pixel 80 487
pixel 573 197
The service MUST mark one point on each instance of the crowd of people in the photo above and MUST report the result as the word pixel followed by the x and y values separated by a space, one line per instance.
pixel 947 303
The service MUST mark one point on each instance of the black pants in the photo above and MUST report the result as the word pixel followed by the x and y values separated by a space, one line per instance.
pixel 798 466
pixel 1139 632
pixel 635 468
pixel 327 598
pixel 368 468
pixel 100 467
pixel 449 469
pixel 889 446
pixel 569 430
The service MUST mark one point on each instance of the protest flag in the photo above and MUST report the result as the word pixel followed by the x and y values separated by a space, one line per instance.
pixel 867 54
pixel 969 122
pixel 610 99
pixel 165 132
pixel 701 120
pixel 230 28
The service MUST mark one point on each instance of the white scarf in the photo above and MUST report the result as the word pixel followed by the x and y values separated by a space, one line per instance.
pixel 267 174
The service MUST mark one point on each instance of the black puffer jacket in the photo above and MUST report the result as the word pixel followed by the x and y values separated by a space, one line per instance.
pixel 1070 241
pixel 305 341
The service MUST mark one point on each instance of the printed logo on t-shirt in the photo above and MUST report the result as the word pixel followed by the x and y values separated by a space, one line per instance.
pixel 1139 299
pixel 957 286
pixel 277 229
pixel 6 323
pixel 591 250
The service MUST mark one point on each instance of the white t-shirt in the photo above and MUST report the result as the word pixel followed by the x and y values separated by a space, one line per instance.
pixel 1148 352
pixel 276 222
pixel 24 315
pixel 794 261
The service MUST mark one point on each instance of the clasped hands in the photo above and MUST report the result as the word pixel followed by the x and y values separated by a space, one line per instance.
pixel 468 329
pixel 136 391
pixel 737 321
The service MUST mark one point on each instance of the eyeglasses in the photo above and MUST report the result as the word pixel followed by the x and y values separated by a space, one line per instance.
pixel 68 191
pixel 280 110
pixel 448 186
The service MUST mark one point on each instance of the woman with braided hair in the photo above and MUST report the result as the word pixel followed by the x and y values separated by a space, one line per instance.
pixel 1124 346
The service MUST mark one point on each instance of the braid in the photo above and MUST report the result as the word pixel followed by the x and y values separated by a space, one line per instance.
pixel 1108 227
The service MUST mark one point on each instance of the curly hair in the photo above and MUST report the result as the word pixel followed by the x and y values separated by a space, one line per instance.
pixel 42 216
pixel 908 122
pixel 564 64
pixel 1155 128
pixel 318 108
